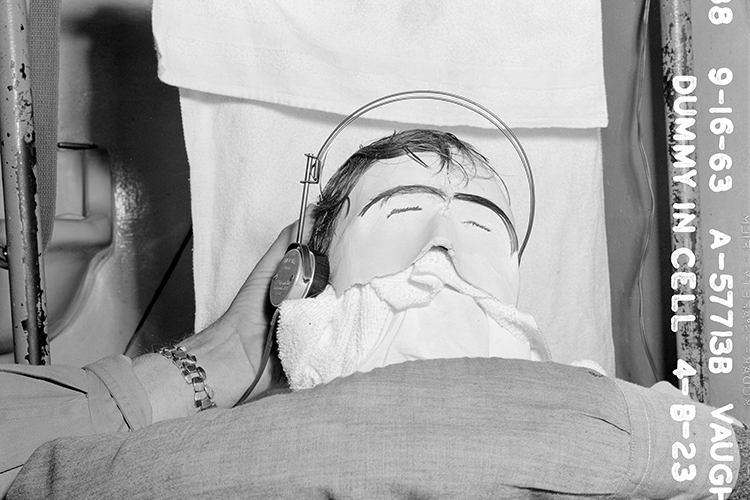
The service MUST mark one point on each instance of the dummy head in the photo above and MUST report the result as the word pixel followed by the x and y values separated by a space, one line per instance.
pixel 402 195
pixel 424 264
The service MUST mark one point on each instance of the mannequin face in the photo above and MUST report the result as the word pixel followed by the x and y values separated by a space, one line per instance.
pixel 400 209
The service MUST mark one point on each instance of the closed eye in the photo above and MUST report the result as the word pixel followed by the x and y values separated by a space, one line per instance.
pixel 476 224
pixel 405 209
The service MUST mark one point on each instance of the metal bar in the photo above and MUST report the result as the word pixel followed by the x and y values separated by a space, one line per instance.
pixel 17 150
pixel 312 176
pixel 687 279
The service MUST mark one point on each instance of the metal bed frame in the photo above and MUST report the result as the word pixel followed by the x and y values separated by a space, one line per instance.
pixel 22 254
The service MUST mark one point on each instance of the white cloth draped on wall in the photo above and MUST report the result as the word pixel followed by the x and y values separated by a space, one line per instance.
pixel 263 82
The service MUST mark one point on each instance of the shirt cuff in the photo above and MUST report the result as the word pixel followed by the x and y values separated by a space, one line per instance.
pixel 116 372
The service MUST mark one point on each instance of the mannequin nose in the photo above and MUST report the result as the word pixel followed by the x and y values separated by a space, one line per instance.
pixel 441 232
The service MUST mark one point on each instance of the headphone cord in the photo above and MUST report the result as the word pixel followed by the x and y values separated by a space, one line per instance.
pixel 263 360
pixel 643 41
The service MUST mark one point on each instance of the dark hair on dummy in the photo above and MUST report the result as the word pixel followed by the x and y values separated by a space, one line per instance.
pixel 455 155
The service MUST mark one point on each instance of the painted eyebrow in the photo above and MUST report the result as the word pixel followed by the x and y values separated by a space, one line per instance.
pixel 479 200
pixel 471 198
pixel 408 189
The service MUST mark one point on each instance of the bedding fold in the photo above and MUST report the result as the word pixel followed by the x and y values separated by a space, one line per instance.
pixel 538 64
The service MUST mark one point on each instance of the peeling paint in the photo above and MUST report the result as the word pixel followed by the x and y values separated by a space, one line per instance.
pixel 26 269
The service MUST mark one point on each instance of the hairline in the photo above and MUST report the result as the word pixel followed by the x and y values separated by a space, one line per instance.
pixel 445 145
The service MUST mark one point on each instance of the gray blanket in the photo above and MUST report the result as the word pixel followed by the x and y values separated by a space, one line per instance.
pixel 462 428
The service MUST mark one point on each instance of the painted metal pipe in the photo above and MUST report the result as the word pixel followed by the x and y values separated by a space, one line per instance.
pixel 687 281
pixel 17 150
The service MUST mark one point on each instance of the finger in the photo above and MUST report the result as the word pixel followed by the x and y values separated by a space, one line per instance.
pixel 266 266
pixel 270 260
pixel 307 229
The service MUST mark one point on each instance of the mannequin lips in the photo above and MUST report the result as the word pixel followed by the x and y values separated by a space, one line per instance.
pixel 440 243
pixel 444 245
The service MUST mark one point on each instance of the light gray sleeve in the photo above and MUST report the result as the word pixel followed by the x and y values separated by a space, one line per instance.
pixel 41 403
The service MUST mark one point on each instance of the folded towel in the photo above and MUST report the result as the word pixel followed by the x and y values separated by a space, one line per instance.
pixel 537 63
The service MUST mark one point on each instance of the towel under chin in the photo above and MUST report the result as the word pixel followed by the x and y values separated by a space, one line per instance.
pixel 452 325
pixel 424 312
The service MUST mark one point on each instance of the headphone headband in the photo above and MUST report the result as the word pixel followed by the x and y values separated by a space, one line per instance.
pixel 315 164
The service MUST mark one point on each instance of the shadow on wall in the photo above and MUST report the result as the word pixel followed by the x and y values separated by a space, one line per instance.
pixel 110 96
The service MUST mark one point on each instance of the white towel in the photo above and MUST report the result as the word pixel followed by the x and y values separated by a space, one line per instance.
pixel 536 63
pixel 328 336
pixel 246 140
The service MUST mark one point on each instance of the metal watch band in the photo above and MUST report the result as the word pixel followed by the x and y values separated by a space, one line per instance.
pixel 193 374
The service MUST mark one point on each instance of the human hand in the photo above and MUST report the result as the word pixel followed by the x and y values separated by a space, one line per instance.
pixel 229 350
pixel 250 312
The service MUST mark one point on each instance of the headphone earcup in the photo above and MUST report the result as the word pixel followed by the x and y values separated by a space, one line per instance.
pixel 320 276
pixel 302 273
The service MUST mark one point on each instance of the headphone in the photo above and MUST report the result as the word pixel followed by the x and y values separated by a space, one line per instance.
pixel 303 272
